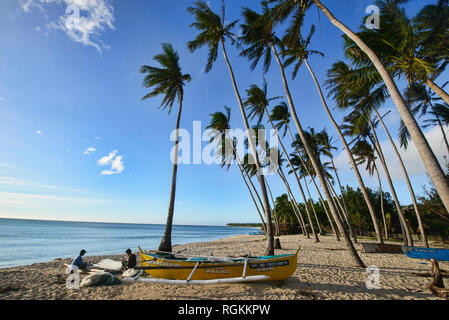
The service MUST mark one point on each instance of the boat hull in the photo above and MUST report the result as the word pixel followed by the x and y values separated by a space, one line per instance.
pixel 426 253
pixel 273 268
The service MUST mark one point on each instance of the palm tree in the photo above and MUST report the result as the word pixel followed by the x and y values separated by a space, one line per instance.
pixel 260 38
pixel 405 48
pixel 298 52
pixel 422 99
pixel 213 34
pixel 360 125
pixel 281 120
pixel 220 124
pixel 257 103
pixel 169 82
pixel 429 159
pixel 327 143
pixel 351 92
pixel 364 153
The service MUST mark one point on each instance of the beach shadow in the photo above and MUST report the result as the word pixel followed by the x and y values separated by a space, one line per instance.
pixel 381 293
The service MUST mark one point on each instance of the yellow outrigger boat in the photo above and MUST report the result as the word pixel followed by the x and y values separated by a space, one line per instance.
pixel 167 268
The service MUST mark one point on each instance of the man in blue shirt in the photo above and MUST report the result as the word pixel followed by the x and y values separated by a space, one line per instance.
pixel 79 261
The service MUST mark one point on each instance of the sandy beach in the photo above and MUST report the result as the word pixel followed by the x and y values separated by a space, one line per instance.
pixel 324 272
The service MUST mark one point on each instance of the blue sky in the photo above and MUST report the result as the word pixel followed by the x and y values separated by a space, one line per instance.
pixel 68 100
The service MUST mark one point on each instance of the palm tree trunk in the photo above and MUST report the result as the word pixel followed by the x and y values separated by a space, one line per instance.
pixel 387 235
pixel 407 239
pixel 429 159
pixel 312 227
pixel 351 230
pixel 298 215
pixel 296 176
pixel 342 210
pixel 276 224
pixel 443 133
pixel 353 252
pixel 165 244
pixel 407 178
pixel 438 90
pixel 254 200
pixel 350 156
pixel 313 208
pixel 316 186
pixel 263 189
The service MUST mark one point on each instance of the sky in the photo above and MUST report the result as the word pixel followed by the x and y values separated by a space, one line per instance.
pixel 77 142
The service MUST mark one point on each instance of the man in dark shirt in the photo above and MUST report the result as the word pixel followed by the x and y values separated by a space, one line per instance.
pixel 78 262
pixel 131 263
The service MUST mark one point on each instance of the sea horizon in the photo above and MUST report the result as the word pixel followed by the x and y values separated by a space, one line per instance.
pixel 28 241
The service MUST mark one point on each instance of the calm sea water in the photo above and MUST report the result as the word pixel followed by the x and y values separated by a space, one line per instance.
pixel 29 241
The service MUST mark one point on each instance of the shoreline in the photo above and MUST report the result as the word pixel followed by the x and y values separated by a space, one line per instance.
pixel 324 272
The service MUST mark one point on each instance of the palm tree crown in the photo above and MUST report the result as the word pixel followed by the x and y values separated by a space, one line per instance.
pixel 168 80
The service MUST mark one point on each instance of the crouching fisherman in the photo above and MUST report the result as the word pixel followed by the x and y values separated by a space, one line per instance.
pixel 132 261
pixel 78 262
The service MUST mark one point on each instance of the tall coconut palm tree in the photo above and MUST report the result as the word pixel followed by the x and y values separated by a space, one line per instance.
pixel 220 124
pixel 298 53
pixel 359 125
pixel 328 147
pixel 429 159
pixel 281 119
pixel 257 103
pixel 213 34
pixel 259 37
pixel 404 48
pixel 364 153
pixel 167 81
pixel 421 100
pixel 366 98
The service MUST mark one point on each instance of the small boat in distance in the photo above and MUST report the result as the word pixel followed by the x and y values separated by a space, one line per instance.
pixel 168 268
pixel 426 253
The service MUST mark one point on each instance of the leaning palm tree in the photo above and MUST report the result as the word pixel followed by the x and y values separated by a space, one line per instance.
pixel 422 99
pixel 328 146
pixel 281 119
pixel 428 157
pixel 351 91
pixel 260 39
pixel 168 81
pixel 298 53
pixel 257 103
pixel 213 34
pixel 364 154
pixel 358 124
pixel 220 124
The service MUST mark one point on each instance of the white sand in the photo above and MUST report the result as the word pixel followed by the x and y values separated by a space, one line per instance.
pixel 325 271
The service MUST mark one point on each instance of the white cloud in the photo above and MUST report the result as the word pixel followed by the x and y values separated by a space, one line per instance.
pixel 83 20
pixel 89 150
pixel 117 166
pixel 116 163
pixel 107 159
pixel 39 132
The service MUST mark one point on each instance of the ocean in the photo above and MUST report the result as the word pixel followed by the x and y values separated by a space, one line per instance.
pixel 25 242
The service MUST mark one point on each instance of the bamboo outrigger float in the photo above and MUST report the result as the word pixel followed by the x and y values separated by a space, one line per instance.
pixel 167 268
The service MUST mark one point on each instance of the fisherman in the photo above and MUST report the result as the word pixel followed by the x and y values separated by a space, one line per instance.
pixel 78 262
pixel 131 263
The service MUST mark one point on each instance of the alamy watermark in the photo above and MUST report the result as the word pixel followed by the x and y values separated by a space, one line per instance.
pixel 73 280
pixel 373 278
pixel 233 146
pixel 373 20
pixel 74 16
